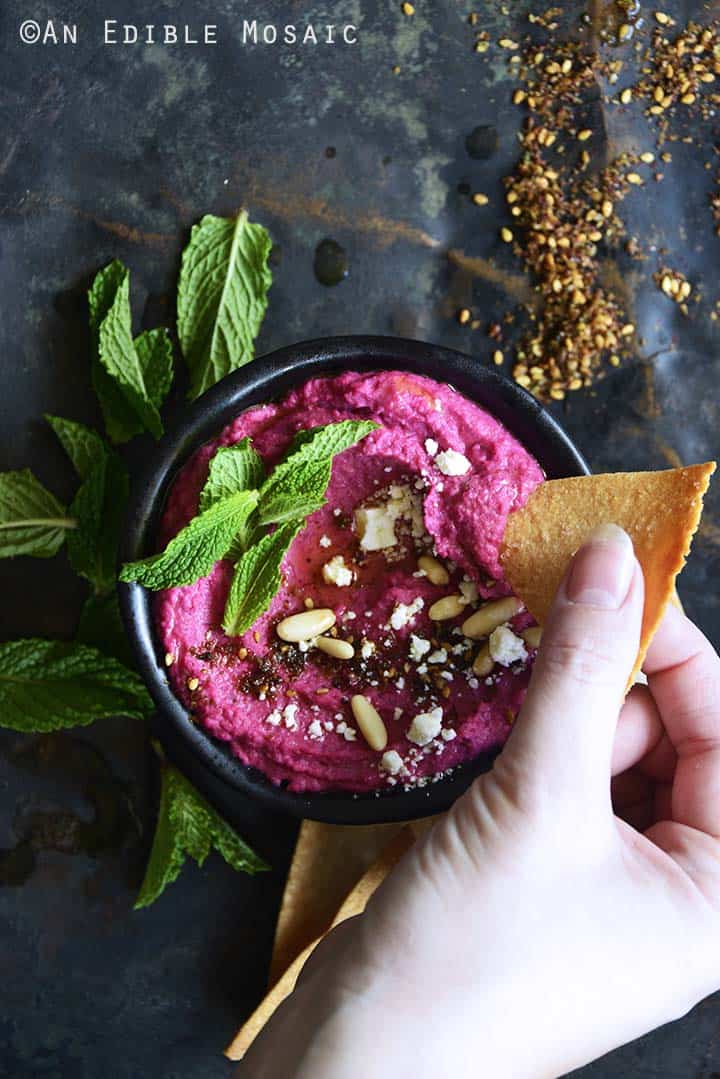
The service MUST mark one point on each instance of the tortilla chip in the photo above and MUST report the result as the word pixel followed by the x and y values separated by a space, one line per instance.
pixel 328 862
pixel 660 511
pixel 354 904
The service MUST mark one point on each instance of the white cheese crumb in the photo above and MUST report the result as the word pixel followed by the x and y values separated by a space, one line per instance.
pixel 391 762
pixel 448 734
pixel 315 730
pixel 419 647
pixel 289 720
pixel 473 683
pixel 431 447
pixel 336 572
pixel 506 647
pixel 325 541
pixel 349 734
pixel 404 613
pixel 425 726
pixel 400 684
pixel 350 615
pixel 439 656
pixel 397 712
pixel 376 524
pixel 452 463
pixel 366 649
pixel 274 719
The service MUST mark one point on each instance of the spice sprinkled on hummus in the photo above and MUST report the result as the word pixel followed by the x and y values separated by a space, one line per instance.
pixel 360 674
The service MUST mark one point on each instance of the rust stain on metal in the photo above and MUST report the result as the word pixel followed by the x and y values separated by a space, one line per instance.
pixel 517 286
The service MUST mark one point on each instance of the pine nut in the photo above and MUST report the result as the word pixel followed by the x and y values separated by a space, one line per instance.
pixel 370 722
pixel 306 625
pixel 532 636
pixel 331 646
pixel 169 659
pixel 484 662
pixel 489 617
pixel 192 684
pixel 447 607
pixel 433 570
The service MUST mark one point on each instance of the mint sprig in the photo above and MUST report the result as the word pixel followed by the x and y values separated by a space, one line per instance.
pixel 194 551
pixel 232 521
pixel 32 520
pixel 48 685
pixel 188 827
pixel 131 377
pixel 222 296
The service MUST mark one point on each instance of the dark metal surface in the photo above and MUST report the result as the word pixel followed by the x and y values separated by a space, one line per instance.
pixel 111 150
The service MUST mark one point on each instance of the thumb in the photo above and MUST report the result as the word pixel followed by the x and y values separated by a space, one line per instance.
pixel 566 726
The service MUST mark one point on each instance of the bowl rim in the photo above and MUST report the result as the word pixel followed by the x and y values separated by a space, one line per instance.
pixel 267 379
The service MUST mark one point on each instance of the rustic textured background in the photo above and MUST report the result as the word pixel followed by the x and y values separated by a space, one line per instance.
pixel 115 152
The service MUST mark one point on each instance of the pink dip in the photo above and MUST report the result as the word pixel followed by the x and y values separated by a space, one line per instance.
pixel 267 705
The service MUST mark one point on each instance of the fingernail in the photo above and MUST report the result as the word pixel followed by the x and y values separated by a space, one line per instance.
pixel 602 569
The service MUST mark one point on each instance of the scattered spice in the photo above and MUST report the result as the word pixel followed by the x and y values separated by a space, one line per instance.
pixel 675 286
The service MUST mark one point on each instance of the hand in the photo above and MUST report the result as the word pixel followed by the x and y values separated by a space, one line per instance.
pixel 542 922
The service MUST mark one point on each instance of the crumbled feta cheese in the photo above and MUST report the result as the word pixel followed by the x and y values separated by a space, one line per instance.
pixel 473 683
pixel 448 734
pixel 391 762
pixel 289 712
pixel 431 447
pixel 425 726
pixel 400 683
pixel 274 719
pixel 315 730
pixel 305 646
pixel 404 613
pixel 419 647
pixel 506 647
pixel 336 572
pixel 376 524
pixel 325 541
pixel 439 656
pixel 366 649
pixel 469 591
pixel 328 725
pixel 349 734
pixel 452 463
pixel 350 615
pixel 397 712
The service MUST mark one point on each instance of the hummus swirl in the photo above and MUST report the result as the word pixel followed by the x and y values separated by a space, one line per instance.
pixel 438 477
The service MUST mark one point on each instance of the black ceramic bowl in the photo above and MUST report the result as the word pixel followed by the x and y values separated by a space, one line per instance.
pixel 265 380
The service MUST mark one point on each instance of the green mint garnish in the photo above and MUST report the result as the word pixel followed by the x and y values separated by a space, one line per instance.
pixel 257 578
pixel 48 685
pixel 222 296
pixel 188 826
pixel 32 520
pixel 131 378
pixel 232 519
pixel 99 503
pixel 193 552
pixel 233 468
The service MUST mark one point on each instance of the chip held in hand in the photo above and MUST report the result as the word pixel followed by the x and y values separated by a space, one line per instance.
pixel 660 511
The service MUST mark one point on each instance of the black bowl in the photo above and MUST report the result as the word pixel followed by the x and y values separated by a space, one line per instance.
pixel 265 380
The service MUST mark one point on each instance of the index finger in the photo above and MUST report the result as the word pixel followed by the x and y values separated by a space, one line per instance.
pixel 683 672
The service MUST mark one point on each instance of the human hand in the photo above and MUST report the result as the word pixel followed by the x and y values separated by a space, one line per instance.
pixel 541 922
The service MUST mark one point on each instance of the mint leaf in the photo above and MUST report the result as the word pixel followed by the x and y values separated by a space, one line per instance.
pixel 48 685
pixel 98 507
pixel 100 626
pixel 296 486
pixel 99 504
pixel 121 421
pixel 82 445
pixel 193 552
pixel 117 355
pixel 188 825
pixel 257 578
pixel 222 296
pixel 32 520
pixel 233 468
pixel 155 355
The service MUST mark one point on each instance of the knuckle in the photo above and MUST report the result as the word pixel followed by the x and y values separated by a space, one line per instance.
pixel 586 659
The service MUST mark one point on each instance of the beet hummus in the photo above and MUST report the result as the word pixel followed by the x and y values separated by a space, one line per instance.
pixel 414 518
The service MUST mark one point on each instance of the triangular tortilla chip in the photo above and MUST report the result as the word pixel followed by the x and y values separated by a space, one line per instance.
pixel 660 511
pixel 328 862
pixel 354 904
